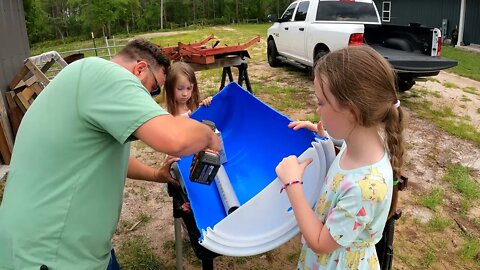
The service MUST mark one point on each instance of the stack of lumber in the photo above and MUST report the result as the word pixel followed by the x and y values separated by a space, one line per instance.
pixel 27 84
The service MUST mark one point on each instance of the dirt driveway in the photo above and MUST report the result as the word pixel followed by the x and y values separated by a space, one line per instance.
pixel 450 87
pixel 430 150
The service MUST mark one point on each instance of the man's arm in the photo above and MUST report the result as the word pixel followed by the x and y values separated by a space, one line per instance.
pixel 139 171
pixel 177 136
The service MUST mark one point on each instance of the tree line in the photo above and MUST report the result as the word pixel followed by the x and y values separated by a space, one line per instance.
pixel 58 19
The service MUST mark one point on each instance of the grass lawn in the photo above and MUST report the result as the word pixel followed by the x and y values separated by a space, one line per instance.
pixel 468 62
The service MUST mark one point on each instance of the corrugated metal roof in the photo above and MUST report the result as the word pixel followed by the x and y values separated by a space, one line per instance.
pixel 14 47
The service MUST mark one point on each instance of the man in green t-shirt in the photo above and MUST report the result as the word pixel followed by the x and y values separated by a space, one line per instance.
pixel 63 196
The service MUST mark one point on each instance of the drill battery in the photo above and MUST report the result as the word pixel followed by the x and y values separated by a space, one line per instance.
pixel 204 168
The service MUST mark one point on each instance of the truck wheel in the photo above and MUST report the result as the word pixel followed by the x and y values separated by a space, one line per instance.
pixel 272 54
pixel 405 84
pixel 319 54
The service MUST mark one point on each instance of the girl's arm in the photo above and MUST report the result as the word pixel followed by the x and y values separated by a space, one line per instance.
pixel 317 236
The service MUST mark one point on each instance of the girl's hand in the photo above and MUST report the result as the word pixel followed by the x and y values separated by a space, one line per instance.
pixel 296 125
pixel 206 102
pixel 317 128
pixel 290 169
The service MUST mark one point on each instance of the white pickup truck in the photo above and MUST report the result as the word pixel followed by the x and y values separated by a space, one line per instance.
pixel 309 29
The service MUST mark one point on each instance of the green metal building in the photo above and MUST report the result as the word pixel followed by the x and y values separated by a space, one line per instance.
pixel 443 14
pixel 14 47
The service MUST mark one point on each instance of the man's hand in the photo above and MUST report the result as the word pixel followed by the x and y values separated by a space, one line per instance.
pixel 139 171
pixel 162 174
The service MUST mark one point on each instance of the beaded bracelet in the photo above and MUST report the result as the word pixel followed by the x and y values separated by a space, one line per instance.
pixel 289 184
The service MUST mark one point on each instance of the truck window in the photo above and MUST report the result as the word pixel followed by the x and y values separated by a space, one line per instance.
pixel 346 11
pixel 288 14
pixel 302 9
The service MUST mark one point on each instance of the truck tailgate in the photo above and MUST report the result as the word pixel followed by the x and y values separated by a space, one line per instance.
pixel 407 62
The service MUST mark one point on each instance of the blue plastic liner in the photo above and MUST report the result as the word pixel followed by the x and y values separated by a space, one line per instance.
pixel 256 139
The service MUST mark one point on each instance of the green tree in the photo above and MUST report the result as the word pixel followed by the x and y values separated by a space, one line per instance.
pixel 101 14
pixel 36 19
pixel 128 14
pixel 49 19
pixel 177 11
pixel 149 17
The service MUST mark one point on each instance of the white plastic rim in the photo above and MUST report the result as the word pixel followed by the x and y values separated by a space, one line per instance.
pixel 267 221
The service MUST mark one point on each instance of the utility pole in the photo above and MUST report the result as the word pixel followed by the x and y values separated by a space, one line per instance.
pixel 161 14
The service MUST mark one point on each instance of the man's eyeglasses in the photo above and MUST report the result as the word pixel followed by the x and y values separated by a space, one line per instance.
pixel 156 87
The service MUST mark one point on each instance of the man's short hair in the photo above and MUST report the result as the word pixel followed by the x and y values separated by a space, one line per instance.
pixel 140 49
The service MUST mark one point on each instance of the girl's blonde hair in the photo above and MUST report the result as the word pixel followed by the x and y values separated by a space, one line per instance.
pixel 175 70
pixel 361 79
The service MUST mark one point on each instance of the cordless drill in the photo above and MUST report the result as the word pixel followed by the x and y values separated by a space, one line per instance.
pixel 205 165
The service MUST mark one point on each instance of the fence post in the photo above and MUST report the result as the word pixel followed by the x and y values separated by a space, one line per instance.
pixel 108 47
pixel 114 45
pixel 94 45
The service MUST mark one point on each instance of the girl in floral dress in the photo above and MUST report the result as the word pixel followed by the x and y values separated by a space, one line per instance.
pixel 357 102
